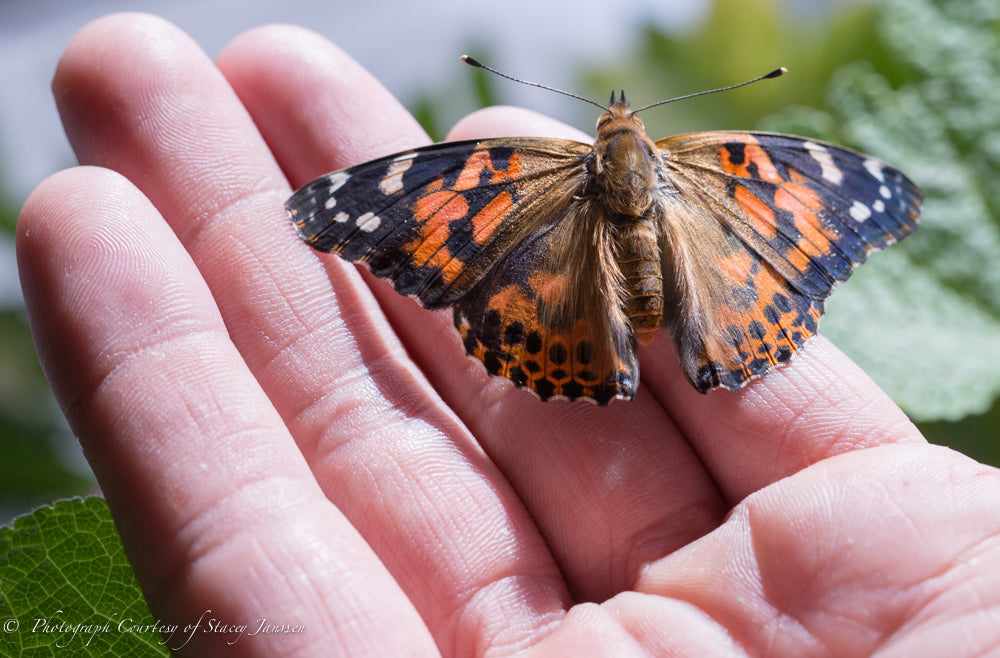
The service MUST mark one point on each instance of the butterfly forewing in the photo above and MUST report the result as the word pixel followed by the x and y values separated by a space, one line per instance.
pixel 434 220
pixel 814 211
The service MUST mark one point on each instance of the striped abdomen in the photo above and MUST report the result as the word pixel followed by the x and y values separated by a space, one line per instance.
pixel 639 261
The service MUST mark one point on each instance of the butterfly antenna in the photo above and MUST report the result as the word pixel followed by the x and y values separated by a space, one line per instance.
pixel 776 73
pixel 471 61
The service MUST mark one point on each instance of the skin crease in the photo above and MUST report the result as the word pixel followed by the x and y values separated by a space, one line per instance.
pixel 281 436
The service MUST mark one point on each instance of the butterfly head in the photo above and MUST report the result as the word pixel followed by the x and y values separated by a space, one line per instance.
pixel 618 110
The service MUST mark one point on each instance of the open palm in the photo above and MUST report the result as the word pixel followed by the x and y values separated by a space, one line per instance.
pixel 280 436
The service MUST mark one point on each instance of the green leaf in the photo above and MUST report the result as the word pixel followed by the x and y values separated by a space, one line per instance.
pixel 68 589
pixel 923 319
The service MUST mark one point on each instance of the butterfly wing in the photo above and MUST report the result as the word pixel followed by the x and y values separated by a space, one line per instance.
pixel 758 230
pixel 550 316
pixel 435 220
pixel 485 226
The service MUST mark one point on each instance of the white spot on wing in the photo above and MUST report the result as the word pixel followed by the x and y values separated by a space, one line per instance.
pixel 878 206
pixel 368 222
pixel 860 212
pixel 829 170
pixel 393 181
pixel 875 168
pixel 885 192
pixel 337 180
pixel 341 217
pixel 330 202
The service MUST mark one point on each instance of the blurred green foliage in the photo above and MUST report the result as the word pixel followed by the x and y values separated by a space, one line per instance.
pixel 37 463
pixel 30 427
pixel 740 39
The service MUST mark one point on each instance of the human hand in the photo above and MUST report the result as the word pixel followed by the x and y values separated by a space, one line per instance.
pixel 280 436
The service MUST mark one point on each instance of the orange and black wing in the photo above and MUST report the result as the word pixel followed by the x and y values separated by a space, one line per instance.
pixel 550 316
pixel 435 220
pixel 476 225
pixel 759 228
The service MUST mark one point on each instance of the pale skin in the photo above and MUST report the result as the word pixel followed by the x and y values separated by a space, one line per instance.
pixel 281 436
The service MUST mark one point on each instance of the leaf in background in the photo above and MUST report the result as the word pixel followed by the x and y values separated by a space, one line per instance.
pixel 923 318
pixel 666 64
pixel 65 564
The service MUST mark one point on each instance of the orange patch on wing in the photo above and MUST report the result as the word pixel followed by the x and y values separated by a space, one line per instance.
pixel 512 304
pixel 481 160
pixel 449 266
pixel 443 206
pixel 486 221
pixel 815 242
pixel 766 225
pixel 553 363
pixel 765 168
pixel 550 287
pixel 803 193
pixel 425 207
pixel 753 154
pixel 456 208
pixel 435 211
pixel 470 175
pixel 736 265
pixel 799 258
pixel 777 335
pixel 513 170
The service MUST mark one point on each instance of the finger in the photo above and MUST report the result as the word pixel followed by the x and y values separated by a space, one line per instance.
pixel 141 97
pixel 609 488
pixel 141 362
pixel 818 406
pixel 513 122
pixel 892 548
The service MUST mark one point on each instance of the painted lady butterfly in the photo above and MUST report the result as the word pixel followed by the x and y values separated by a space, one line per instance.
pixel 559 257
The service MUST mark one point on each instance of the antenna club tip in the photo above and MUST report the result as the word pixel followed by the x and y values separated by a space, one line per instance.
pixel 471 61
pixel 776 73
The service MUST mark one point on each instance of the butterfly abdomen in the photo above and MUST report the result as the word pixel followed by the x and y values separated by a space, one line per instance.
pixel 639 262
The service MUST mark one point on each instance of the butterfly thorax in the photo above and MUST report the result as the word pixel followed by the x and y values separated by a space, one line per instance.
pixel 625 162
pixel 623 179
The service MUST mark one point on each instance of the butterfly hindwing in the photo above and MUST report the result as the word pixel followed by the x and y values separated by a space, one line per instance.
pixel 782 220
pixel 547 316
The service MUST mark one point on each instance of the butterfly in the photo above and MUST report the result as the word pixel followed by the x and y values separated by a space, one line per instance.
pixel 560 258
